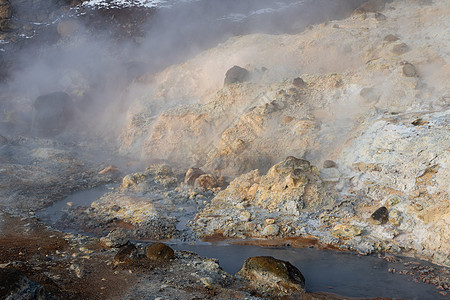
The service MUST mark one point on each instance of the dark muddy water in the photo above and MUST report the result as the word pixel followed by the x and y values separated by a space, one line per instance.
pixel 341 273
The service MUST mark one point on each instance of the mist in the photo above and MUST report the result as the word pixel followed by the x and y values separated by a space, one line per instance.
pixel 94 54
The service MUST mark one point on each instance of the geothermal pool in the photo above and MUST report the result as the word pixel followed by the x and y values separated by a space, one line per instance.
pixel 342 273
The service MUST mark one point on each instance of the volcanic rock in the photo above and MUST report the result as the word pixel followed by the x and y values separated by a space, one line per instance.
pixel 206 181
pixel 5 9
pixel 159 252
pixel 371 95
pixel 380 216
pixel 329 164
pixel 192 174
pixel 154 177
pixel 346 231
pixel 400 49
pixel 51 113
pixel 127 254
pixel 115 239
pixel 15 285
pixel 298 82
pixel 391 38
pixel 409 70
pixel 236 75
pixel 270 276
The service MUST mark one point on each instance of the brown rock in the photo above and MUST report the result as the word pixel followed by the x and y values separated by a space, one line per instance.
pixel 5 9
pixel 270 276
pixel 127 254
pixel 206 181
pixel 3 140
pixel 159 252
pixel 192 174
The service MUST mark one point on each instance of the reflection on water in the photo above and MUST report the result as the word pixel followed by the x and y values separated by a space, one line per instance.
pixel 339 273
pixel 53 213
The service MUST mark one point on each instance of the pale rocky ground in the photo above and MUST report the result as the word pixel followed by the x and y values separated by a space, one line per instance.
pixel 376 105
pixel 375 100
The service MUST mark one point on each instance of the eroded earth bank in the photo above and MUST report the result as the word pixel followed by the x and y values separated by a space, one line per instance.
pixel 336 137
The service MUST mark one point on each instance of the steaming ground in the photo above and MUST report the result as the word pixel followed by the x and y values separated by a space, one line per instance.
pixel 338 135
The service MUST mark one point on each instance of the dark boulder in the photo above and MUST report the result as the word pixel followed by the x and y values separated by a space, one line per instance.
pixel 236 75
pixel 51 114
pixel 298 82
pixel 273 277
pixel 380 216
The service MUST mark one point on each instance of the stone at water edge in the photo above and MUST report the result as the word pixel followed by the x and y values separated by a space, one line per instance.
pixel 380 216
pixel 115 239
pixel 159 252
pixel 270 276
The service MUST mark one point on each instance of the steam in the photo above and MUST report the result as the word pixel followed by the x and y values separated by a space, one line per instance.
pixel 95 66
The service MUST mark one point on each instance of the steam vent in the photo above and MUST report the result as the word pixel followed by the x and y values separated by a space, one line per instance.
pixel 210 149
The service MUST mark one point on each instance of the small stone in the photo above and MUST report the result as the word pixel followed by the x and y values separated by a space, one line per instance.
pixel 114 239
pixel 391 38
pixel 236 74
pixel 346 231
pixel 329 164
pixel 409 70
pixel 192 174
pixel 159 252
pixel 245 216
pixel 270 221
pixel 400 49
pixel 271 230
pixel 371 95
pixel 298 82
pixel 380 216
pixel 395 217
pixel 380 17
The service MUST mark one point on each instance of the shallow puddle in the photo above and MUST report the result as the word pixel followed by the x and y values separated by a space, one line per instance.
pixel 54 212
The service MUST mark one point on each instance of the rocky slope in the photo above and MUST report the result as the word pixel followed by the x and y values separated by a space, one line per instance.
pixel 373 97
